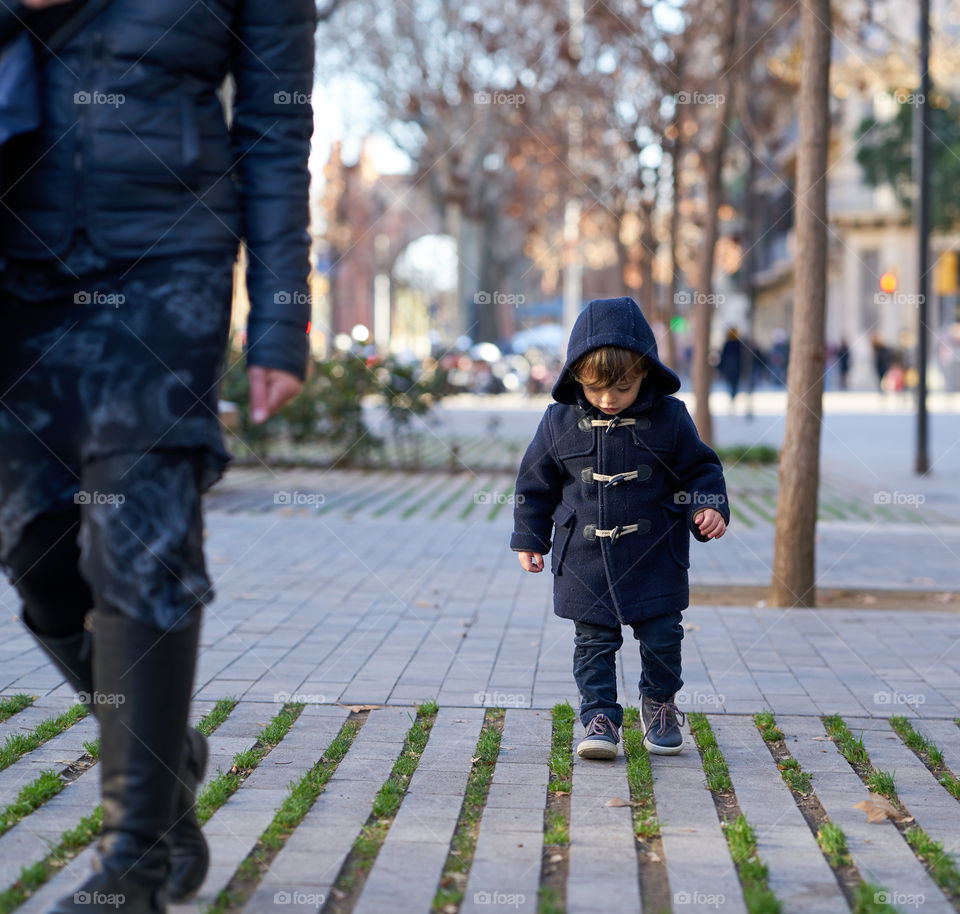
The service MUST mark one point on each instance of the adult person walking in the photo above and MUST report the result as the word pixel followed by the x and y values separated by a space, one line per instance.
pixel 121 218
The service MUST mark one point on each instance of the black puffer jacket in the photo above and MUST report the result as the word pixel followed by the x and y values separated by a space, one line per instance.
pixel 136 152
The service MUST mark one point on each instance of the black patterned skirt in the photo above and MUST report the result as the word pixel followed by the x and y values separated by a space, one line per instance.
pixel 101 358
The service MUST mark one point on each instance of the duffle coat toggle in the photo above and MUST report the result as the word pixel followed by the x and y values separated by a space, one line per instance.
pixel 641 474
pixel 591 533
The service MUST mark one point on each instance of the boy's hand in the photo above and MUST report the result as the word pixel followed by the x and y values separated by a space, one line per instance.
pixel 711 523
pixel 531 561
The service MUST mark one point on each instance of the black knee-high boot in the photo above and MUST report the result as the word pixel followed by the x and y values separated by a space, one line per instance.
pixel 189 854
pixel 143 680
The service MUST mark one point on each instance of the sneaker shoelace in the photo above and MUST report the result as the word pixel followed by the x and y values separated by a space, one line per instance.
pixel 663 708
pixel 601 725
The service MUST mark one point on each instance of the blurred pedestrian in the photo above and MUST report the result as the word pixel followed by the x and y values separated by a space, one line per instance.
pixel 122 217
pixel 730 365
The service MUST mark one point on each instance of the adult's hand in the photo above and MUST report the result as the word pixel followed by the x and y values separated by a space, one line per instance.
pixel 270 390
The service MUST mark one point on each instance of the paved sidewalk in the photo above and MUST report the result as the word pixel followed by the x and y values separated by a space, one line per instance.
pixel 394 590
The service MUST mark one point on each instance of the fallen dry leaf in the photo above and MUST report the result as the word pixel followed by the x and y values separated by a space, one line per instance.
pixel 691 627
pixel 652 857
pixel 878 808
pixel 360 707
pixel 556 858
pixel 617 801
pixel 820 739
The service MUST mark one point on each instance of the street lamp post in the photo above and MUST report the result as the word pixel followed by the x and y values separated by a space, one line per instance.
pixel 922 154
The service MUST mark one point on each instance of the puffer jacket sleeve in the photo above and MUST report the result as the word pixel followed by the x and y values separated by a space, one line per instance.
pixel 272 124
pixel 537 494
pixel 699 481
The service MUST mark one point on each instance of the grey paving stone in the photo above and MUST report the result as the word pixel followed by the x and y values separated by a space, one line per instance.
pixel 602 846
pixel 877 849
pixel 702 874
pixel 798 874
pixel 925 798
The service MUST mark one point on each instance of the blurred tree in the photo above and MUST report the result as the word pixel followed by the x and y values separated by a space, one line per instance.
pixel 885 153
pixel 794 572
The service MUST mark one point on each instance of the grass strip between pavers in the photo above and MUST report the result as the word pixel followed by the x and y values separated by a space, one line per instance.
pixel 298 802
pixel 741 840
pixel 555 863
pixel 928 752
pixel 864 897
pixel 75 840
pixel 930 853
pixel 367 844
pixel 30 797
pixel 19 744
pixel 453 879
pixel 226 783
pixel 14 704
pixel 639 776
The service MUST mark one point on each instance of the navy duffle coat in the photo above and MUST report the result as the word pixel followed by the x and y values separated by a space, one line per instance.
pixel 611 580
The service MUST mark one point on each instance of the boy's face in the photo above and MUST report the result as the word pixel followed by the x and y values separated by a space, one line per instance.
pixel 611 400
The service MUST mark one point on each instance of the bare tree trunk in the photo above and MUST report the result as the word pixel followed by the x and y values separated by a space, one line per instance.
pixel 704 304
pixel 794 570
pixel 676 153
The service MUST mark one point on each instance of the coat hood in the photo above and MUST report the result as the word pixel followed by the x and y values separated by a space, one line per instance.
pixel 614 322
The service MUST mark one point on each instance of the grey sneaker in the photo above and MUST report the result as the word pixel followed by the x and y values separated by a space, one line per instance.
pixel 661 727
pixel 601 739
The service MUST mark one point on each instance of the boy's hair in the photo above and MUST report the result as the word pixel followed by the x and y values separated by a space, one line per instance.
pixel 609 365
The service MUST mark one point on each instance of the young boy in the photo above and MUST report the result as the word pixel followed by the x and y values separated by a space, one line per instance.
pixel 620 477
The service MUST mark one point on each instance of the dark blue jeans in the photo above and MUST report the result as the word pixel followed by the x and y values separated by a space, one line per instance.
pixel 595 664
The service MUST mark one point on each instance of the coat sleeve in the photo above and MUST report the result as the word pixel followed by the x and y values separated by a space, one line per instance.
pixel 272 124
pixel 699 481
pixel 537 494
